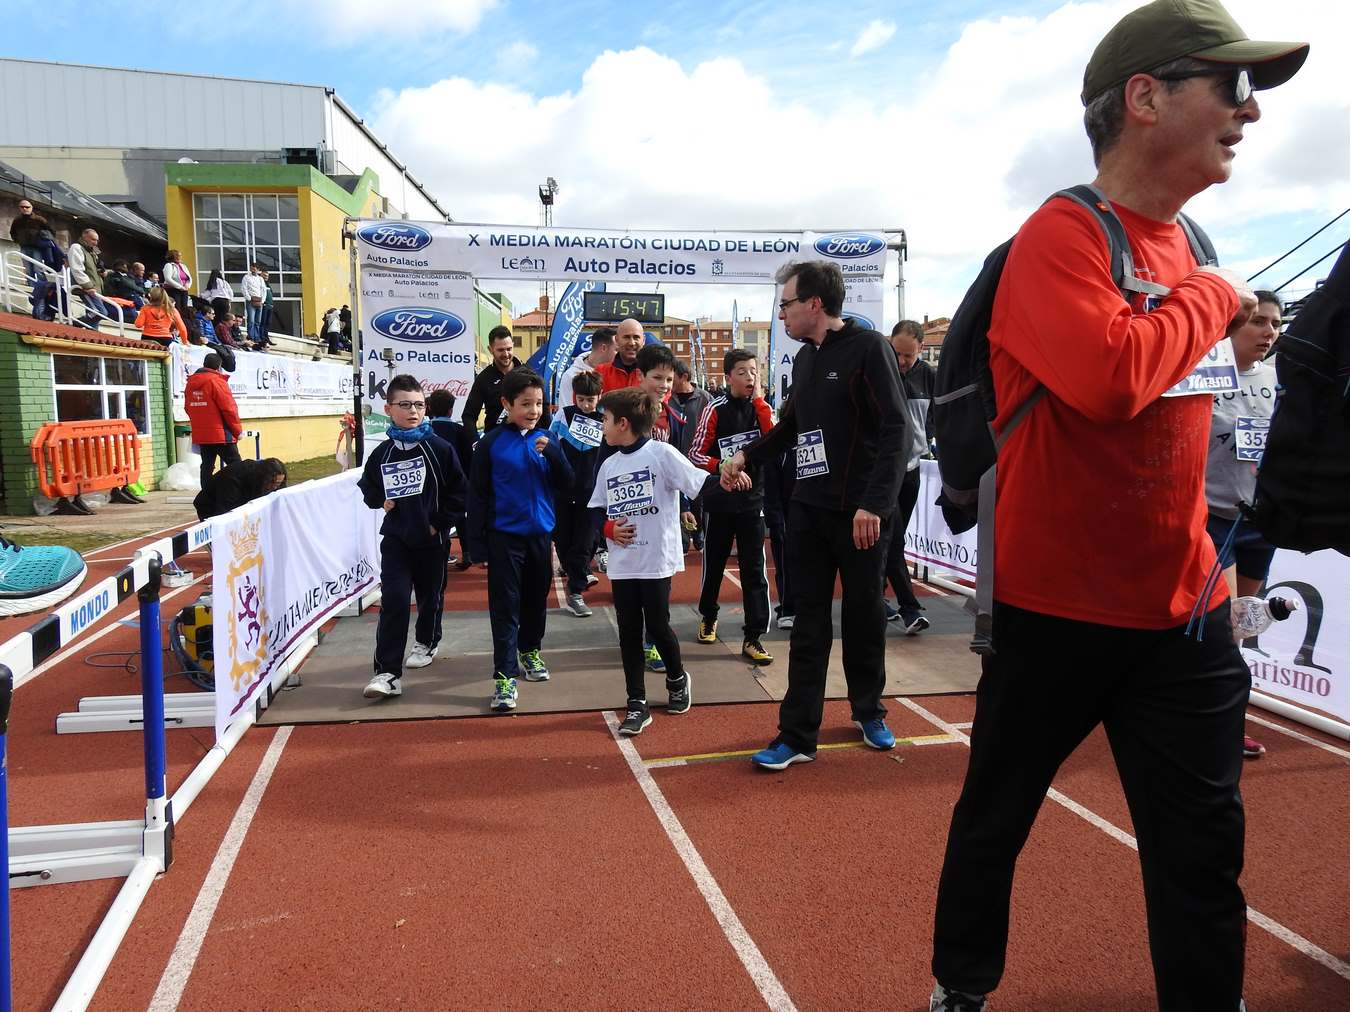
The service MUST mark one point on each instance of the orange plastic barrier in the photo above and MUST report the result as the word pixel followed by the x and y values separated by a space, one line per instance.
pixel 77 457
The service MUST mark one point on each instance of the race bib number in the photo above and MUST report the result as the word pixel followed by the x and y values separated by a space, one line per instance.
pixel 1249 438
pixel 586 430
pixel 728 446
pixel 1216 373
pixel 404 478
pixel 811 462
pixel 629 493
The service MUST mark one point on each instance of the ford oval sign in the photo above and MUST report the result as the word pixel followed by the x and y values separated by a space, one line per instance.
pixel 849 245
pixel 861 320
pixel 393 235
pixel 423 326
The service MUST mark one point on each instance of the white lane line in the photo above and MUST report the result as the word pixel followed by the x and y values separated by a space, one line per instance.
pixel 965 725
pixel 557 580
pixel 938 591
pixel 1306 739
pixel 614 622
pixel 770 989
pixel 1290 938
pixel 84 642
pixel 174 981
pixel 153 535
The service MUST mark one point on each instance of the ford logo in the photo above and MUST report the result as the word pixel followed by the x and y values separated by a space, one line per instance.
pixel 422 325
pixel 861 320
pixel 395 236
pixel 849 245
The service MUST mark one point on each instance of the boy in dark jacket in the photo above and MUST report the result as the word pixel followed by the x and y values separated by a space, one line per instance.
pixel 440 403
pixel 578 430
pixel 516 470
pixel 736 419
pixel 416 479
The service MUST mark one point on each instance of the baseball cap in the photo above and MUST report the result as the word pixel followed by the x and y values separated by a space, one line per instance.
pixel 1167 30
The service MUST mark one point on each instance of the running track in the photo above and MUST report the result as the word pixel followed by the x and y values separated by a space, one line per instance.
pixel 512 862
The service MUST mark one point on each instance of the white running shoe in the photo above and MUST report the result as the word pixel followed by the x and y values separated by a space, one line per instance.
pixel 420 656
pixel 577 606
pixel 785 621
pixel 383 686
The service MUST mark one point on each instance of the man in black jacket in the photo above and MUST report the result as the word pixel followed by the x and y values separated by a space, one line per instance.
pixel 486 389
pixel 846 417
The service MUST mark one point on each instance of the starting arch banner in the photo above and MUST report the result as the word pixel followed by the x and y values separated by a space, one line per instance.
pixel 416 278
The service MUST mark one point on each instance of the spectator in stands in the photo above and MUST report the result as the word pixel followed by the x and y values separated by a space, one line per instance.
pixel 31 232
pixel 332 331
pixel 220 293
pixel 237 484
pixel 206 324
pixel 225 331
pixel 266 324
pixel 160 321
pixel 177 280
pixel 255 294
pixel 345 318
pixel 24 230
pixel 119 284
pixel 138 276
pixel 214 416
pixel 86 281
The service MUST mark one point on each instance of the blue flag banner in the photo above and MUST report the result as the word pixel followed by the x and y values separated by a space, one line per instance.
pixel 568 322
pixel 536 361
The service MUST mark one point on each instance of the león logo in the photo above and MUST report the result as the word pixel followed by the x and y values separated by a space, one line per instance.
pixel 247 611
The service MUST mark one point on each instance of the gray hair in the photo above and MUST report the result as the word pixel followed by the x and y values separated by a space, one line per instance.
pixel 1104 117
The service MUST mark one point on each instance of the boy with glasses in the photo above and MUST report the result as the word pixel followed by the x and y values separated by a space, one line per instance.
pixel 416 479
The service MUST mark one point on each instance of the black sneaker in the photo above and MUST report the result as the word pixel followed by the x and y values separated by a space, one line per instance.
pixel 912 621
pixel 681 696
pixel 942 1000
pixel 637 717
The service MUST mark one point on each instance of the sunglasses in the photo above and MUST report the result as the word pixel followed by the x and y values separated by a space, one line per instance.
pixel 1239 84
pixel 782 306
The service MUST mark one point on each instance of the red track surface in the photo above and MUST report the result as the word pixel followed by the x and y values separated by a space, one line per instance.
pixel 516 862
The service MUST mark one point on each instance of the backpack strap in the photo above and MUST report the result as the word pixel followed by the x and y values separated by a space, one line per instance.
pixel 1117 242
pixel 1201 248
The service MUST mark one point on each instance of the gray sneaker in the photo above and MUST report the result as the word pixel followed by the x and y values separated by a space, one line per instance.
pixel 577 606
pixel 942 1000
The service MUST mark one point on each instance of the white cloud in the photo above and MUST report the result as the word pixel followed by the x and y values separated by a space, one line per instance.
pixel 517 56
pixel 874 36
pixel 958 159
pixel 349 21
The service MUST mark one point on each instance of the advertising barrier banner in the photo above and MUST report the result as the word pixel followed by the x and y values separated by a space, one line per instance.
pixel 280 566
pixel 262 377
pixel 928 539
pixel 424 320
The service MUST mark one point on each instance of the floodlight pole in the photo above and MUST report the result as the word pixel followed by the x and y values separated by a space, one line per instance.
pixel 358 391
pixel 901 247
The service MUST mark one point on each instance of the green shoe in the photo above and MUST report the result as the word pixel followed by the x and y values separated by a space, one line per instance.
pixel 653 656
pixel 533 666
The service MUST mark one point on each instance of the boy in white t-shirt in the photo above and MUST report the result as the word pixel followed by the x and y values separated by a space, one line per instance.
pixel 639 489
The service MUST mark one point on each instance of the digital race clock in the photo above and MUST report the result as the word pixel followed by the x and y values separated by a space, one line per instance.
pixel 611 307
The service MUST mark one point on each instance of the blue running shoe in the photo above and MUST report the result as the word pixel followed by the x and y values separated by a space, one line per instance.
pixel 779 756
pixel 876 734
pixel 654 662
pixel 532 664
pixel 34 579
pixel 504 694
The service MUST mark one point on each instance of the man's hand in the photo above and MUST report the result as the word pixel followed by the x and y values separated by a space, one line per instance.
pixel 388 505
pixel 1246 297
pixel 866 530
pixel 624 530
pixel 690 523
pixel 539 444
pixel 733 469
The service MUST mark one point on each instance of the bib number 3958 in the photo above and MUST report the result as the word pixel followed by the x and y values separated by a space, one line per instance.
pixel 403 478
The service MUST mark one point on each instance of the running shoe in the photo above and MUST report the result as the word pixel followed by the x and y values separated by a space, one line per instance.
pixel 876 734
pixel 943 1000
pixel 653 657
pixel 637 717
pixel 420 656
pixel 786 621
pixel 463 564
pixel 533 666
pixel 707 630
pixel 779 756
pixel 504 694
pixel 1251 748
pixel 34 579
pixel 681 695
pixel 753 652
pixel 383 686
pixel 577 606
pixel 592 579
pixel 602 560
pixel 912 621
pixel 892 612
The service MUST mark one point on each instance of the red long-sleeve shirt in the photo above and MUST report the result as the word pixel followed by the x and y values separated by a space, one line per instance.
pixel 1101 504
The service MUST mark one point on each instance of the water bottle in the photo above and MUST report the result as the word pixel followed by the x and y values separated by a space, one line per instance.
pixel 1253 615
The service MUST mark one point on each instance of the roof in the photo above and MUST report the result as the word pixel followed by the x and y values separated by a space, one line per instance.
pixel 42 328
pixel 78 204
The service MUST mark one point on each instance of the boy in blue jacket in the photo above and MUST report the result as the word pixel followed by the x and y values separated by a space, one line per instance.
pixel 440 405
pixel 416 479
pixel 577 428
pixel 515 471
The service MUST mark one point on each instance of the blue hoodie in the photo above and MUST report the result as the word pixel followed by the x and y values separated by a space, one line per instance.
pixel 511 486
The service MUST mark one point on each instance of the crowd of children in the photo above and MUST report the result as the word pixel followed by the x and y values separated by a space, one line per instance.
pixel 620 475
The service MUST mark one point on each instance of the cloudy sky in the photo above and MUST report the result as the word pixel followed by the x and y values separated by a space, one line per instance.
pixel 950 120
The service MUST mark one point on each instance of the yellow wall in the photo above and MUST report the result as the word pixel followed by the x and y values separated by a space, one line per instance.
pixel 293 439
pixel 178 212
pixel 325 264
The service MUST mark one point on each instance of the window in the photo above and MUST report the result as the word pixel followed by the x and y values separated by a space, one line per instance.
pixel 234 230
pixel 87 388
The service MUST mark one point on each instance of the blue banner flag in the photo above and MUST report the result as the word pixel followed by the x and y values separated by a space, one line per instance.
pixel 568 322
pixel 536 361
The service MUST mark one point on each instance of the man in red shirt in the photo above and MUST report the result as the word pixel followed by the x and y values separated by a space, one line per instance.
pixel 1101 552
pixel 214 415
pixel 623 371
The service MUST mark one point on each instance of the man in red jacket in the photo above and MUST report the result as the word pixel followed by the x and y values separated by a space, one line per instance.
pixel 214 415
pixel 623 371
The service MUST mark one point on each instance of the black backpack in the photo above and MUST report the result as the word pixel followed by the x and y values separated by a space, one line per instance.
pixel 1303 484
pixel 964 405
